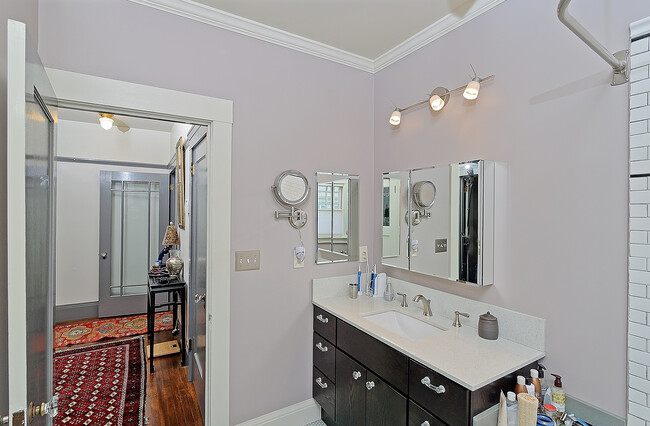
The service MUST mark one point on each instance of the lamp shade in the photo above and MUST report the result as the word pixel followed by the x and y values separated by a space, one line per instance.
pixel 471 91
pixel 436 102
pixel 395 117
pixel 171 236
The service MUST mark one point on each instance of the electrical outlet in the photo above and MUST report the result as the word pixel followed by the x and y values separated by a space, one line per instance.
pixel 363 253
pixel 298 257
pixel 247 260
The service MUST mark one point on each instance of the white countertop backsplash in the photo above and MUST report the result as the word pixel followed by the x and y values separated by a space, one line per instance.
pixel 458 353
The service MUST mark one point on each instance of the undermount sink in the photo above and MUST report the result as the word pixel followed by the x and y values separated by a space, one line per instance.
pixel 404 325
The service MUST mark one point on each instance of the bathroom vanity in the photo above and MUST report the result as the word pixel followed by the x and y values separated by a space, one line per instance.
pixel 366 374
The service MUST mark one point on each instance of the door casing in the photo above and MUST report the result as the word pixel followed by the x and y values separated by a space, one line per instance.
pixel 93 93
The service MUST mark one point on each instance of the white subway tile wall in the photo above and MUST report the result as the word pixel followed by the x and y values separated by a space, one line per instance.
pixel 639 262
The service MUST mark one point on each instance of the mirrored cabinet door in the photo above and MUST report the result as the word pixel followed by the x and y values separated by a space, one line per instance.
pixel 337 229
pixel 447 221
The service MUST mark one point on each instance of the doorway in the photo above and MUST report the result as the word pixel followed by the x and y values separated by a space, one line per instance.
pixel 93 93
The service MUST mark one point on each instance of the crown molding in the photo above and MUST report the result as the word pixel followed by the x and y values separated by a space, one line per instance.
pixel 207 15
pixel 432 32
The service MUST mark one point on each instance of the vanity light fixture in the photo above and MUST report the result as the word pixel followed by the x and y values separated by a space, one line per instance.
pixel 439 97
pixel 106 121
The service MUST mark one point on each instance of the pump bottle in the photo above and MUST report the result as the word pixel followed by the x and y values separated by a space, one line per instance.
pixel 558 395
pixel 534 379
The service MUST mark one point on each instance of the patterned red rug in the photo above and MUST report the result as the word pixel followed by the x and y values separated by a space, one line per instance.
pixel 102 384
pixel 93 331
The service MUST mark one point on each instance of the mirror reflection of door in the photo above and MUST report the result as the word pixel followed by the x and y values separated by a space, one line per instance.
pixel 391 191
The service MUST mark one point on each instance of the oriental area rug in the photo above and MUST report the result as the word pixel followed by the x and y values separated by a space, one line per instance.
pixel 93 331
pixel 101 384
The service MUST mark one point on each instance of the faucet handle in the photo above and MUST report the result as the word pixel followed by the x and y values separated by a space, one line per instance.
pixel 403 304
pixel 457 319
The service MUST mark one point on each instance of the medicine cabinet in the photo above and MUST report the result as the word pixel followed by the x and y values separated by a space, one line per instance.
pixel 337 228
pixel 439 221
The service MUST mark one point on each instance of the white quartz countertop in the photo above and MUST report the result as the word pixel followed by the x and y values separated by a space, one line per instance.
pixel 457 353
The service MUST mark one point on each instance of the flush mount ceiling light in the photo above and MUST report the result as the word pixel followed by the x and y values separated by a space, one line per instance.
pixel 106 121
pixel 439 97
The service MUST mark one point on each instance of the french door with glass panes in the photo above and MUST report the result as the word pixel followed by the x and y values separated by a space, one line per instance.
pixel 134 210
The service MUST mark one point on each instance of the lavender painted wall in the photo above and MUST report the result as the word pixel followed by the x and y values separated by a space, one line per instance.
pixel 552 117
pixel 292 111
pixel 24 11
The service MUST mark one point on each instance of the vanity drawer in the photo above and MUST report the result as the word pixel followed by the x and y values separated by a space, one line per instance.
pixel 324 392
pixel 324 356
pixel 387 362
pixel 325 324
pixel 451 406
pixel 418 416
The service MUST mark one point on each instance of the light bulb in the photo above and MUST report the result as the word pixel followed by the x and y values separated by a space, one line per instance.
pixel 395 117
pixel 436 102
pixel 471 91
pixel 106 123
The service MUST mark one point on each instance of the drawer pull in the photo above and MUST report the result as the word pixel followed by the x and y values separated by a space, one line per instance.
pixel 425 423
pixel 356 375
pixel 320 383
pixel 321 319
pixel 427 382
pixel 320 346
pixel 370 385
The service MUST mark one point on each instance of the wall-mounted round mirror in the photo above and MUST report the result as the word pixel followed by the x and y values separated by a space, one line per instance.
pixel 424 194
pixel 290 188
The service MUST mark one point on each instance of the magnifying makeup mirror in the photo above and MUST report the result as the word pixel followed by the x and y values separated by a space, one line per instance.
pixel 291 189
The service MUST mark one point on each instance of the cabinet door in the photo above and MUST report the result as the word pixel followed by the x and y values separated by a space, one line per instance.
pixel 351 391
pixel 384 405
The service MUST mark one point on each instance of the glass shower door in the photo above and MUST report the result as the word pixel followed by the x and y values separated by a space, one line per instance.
pixel 134 210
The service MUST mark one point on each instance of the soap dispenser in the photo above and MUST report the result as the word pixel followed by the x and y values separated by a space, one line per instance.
pixel 558 395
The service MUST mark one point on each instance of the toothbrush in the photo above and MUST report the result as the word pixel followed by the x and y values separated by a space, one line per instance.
pixel 372 278
pixel 359 280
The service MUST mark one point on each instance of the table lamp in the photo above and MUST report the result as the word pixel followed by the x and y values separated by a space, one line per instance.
pixel 174 263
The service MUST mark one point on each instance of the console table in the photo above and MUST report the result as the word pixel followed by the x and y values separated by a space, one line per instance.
pixel 175 288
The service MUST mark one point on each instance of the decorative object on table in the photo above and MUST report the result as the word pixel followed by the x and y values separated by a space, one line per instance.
pixel 488 326
pixel 101 384
pixel 174 263
pixel 180 183
pixel 92 331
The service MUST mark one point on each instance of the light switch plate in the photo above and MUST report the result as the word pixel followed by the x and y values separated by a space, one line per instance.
pixel 441 245
pixel 247 260
pixel 363 253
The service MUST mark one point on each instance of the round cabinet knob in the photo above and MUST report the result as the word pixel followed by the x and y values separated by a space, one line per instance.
pixel 356 375
pixel 425 423
pixel 370 385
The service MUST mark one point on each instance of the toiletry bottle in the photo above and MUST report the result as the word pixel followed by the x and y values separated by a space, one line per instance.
pixel 534 379
pixel 542 380
pixel 558 396
pixel 511 408
pixel 390 294
pixel 521 385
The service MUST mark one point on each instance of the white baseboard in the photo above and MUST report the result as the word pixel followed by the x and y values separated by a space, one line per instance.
pixel 299 414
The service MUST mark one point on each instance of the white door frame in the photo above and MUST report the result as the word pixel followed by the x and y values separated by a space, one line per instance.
pixel 100 94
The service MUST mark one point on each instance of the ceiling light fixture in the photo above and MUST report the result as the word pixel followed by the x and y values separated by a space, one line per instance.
pixel 439 97
pixel 106 121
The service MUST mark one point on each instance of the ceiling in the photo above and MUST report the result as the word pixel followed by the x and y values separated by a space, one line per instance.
pixel 132 122
pixel 365 34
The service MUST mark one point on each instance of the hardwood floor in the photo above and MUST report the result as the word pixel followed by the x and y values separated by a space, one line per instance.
pixel 171 399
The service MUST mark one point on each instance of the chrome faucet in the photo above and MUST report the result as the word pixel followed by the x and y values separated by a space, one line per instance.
pixel 426 302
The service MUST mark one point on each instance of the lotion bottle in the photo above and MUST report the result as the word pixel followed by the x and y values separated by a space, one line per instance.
pixel 534 379
pixel 521 385
pixel 511 404
pixel 558 395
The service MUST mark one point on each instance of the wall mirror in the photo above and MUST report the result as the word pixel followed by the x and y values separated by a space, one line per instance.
pixel 447 228
pixel 337 228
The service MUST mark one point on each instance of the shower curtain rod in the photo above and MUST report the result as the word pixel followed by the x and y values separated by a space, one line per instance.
pixel 618 61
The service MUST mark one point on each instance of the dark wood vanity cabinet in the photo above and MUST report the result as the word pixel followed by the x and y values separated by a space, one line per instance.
pixel 359 380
